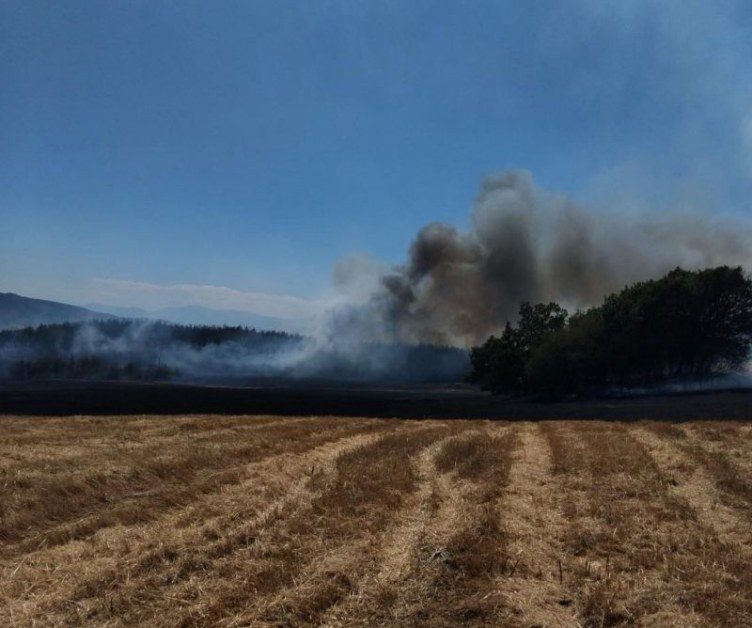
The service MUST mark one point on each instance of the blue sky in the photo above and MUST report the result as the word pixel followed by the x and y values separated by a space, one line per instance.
pixel 229 153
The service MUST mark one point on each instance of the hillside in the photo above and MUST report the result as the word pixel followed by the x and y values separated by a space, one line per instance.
pixel 19 311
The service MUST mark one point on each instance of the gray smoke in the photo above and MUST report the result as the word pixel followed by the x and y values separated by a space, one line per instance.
pixel 525 244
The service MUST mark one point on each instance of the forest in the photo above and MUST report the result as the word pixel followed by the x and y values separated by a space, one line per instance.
pixel 158 351
pixel 132 349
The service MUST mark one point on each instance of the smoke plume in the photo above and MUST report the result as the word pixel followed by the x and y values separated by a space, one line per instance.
pixel 456 288
pixel 524 244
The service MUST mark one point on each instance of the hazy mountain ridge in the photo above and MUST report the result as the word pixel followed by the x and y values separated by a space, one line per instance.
pixel 20 311
pixel 200 315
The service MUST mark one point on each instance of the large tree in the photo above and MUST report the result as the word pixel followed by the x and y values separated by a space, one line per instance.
pixel 499 364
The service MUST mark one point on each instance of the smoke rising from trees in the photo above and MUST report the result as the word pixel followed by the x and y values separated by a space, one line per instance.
pixel 525 244
pixel 155 350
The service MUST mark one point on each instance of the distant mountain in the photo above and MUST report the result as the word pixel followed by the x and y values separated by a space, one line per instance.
pixel 18 311
pixel 120 311
pixel 199 315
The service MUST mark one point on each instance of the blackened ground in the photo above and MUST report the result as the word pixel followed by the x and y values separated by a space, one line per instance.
pixel 324 398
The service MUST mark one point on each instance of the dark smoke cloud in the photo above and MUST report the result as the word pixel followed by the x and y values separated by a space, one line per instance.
pixel 526 244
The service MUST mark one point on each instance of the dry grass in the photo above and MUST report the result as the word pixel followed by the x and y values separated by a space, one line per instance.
pixel 237 521
pixel 350 512
pixel 636 548
pixel 130 473
pixel 460 572
pixel 724 450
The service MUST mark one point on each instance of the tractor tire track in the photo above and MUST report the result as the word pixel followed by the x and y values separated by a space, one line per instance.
pixel 129 569
pixel 402 548
pixel 536 527
pixel 689 481
pixel 336 537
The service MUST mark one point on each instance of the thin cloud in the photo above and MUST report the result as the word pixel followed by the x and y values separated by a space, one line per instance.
pixel 151 296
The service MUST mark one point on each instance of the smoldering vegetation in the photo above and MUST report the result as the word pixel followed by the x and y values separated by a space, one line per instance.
pixel 526 244
pixel 123 349
pixel 152 350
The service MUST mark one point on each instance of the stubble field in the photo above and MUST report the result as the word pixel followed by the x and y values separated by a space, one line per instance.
pixel 264 521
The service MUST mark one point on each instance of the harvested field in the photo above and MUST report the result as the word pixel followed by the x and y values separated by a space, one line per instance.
pixel 266 521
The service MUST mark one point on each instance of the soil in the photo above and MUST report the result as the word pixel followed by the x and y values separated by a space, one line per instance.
pixel 325 398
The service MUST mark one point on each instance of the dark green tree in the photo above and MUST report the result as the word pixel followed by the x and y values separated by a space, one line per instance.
pixel 686 325
pixel 499 364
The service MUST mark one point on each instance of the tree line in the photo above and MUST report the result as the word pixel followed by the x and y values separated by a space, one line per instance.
pixel 63 337
pixel 685 325
pixel 151 350
pixel 120 349
pixel 89 367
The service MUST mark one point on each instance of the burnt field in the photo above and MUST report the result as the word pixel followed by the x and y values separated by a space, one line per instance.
pixel 284 397
pixel 267 521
